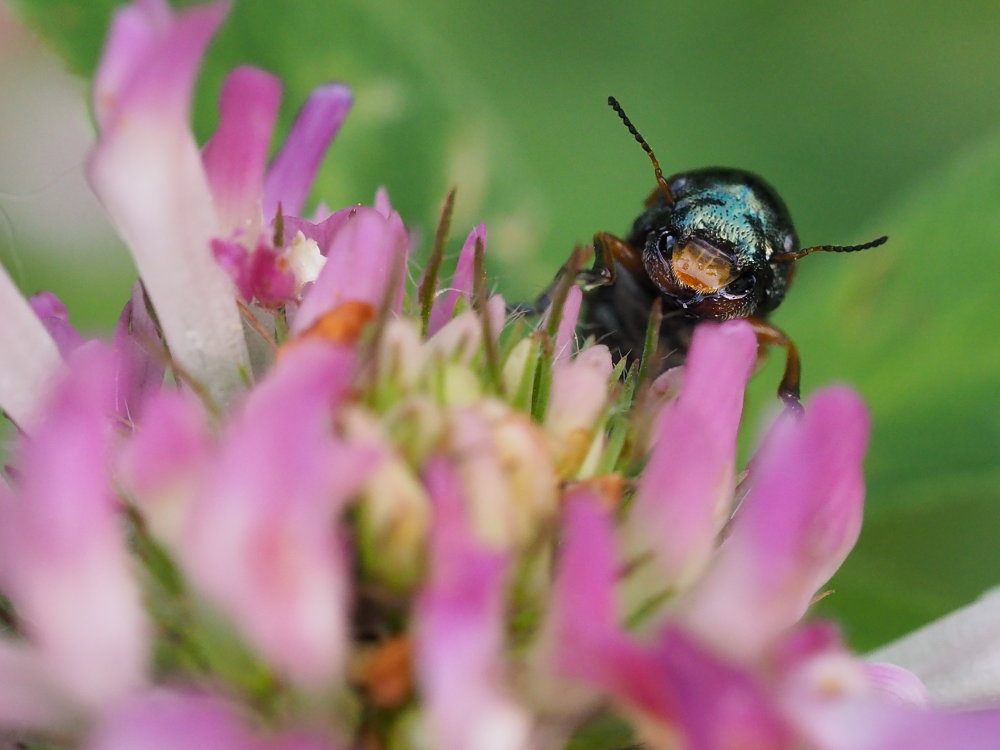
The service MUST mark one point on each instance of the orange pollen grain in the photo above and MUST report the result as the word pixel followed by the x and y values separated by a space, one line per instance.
pixel 387 673
pixel 609 488
pixel 344 323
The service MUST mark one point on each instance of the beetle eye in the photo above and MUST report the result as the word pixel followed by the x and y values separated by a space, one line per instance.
pixel 665 244
pixel 741 285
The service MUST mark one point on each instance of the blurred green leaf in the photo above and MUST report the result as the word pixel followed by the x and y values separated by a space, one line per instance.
pixel 915 326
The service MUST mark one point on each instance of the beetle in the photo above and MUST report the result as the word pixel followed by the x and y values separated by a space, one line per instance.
pixel 712 244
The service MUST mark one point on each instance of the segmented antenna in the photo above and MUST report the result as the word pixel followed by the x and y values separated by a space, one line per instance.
pixel 786 257
pixel 660 179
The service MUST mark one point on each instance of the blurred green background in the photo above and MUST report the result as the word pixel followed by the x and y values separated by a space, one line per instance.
pixel 868 118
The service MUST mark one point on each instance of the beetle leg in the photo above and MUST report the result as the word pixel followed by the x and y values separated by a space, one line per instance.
pixel 770 335
pixel 544 300
pixel 609 253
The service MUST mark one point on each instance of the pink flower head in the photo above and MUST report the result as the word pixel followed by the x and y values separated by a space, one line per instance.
pixel 276 515
pixel 189 217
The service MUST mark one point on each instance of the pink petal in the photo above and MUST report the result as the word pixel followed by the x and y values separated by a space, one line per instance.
pixel 567 324
pixel 677 683
pixel 262 541
pixel 31 356
pixel 148 174
pixel 321 232
pixel 459 639
pixel 382 203
pixel 132 41
pixel 172 720
pixel 686 488
pixel 796 525
pixel 166 460
pixel 236 155
pixel 55 317
pixel 291 173
pixel 580 389
pixel 718 705
pixel 61 546
pixel 583 381
pixel 583 636
pixel 360 264
pixel 461 283
pixel 27 700
pixel 830 718
pixel 584 613
pixel 897 684
pixel 461 338
pixel 140 356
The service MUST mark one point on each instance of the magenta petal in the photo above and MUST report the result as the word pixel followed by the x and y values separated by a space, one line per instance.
pixel 259 275
pixel 685 490
pixel 361 260
pixel 321 232
pixel 459 639
pixel 236 155
pixel 801 517
pixel 710 703
pixel 584 637
pixel 140 356
pixel 262 541
pixel 171 720
pixel 718 705
pixel 461 283
pixel 61 546
pixel 55 317
pixel 291 173
pixel 584 611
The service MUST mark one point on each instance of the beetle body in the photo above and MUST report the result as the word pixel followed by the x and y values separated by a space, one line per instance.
pixel 712 244
pixel 731 219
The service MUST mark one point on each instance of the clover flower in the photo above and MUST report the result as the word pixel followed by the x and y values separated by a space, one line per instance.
pixel 296 504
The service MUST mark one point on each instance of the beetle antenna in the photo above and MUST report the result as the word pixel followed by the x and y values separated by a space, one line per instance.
pixel 660 179
pixel 787 257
